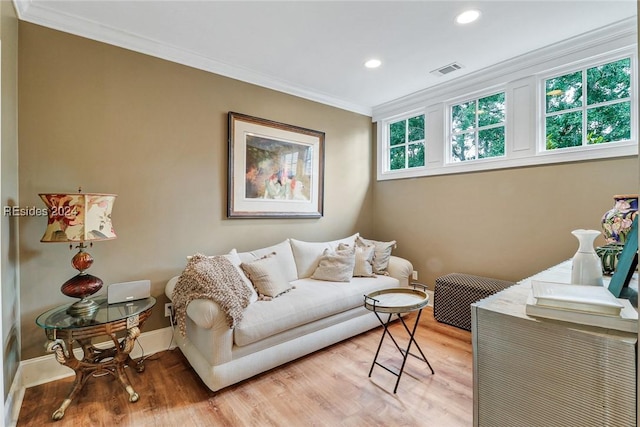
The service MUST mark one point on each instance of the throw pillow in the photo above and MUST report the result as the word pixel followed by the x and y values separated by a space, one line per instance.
pixel 285 258
pixel 336 266
pixel 381 254
pixel 308 254
pixel 364 259
pixel 266 276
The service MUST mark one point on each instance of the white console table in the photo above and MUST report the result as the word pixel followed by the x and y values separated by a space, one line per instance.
pixel 530 372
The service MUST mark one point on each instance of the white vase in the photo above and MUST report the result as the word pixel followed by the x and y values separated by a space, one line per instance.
pixel 586 266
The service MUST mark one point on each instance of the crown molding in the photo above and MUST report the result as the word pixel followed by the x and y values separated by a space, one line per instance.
pixel 36 13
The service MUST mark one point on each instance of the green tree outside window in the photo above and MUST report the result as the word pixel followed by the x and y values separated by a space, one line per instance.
pixel 477 128
pixel 406 143
pixel 604 118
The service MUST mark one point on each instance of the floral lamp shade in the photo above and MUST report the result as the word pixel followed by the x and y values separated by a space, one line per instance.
pixel 79 217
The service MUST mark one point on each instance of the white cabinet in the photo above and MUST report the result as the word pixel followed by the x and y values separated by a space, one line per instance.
pixel 531 372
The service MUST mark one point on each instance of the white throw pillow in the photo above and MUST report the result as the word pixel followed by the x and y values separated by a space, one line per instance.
pixel 336 266
pixel 381 254
pixel 307 254
pixel 266 276
pixel 285 258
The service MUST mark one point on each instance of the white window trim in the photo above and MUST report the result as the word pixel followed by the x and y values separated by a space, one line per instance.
pixel 475 97
pixel 590 151
pixel 384 147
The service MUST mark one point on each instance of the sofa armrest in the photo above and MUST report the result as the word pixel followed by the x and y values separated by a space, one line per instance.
pixel 204 313
pixel 401 269
pixel 170 286
pixel 207 328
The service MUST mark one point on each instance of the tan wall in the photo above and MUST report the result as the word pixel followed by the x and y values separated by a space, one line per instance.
pixel 9 195
pixel 155 133
pixel 506 224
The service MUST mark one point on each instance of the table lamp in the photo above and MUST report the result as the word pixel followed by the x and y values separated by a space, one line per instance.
pixel 79 218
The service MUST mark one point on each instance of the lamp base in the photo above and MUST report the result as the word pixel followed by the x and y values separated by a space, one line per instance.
pixel 82 286
pixel 83 308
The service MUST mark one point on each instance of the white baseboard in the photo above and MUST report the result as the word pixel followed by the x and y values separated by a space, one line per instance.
pixel 13 403
pixel 44 369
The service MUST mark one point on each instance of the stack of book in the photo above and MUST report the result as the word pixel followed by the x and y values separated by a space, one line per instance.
pixel 586 305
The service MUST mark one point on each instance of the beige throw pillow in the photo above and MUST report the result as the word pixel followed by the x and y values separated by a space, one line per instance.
pixel 266 276
pixel 381 254
pixel 336 266
pixel 307 254
pixel 364 260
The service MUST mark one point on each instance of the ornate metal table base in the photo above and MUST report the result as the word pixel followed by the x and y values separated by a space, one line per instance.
pixel 112 321
pixel 111 360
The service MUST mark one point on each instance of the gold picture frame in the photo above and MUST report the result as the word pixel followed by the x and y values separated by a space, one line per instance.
pixel 276 170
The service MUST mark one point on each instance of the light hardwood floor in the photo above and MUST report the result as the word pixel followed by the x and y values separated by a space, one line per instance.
pixel 327 388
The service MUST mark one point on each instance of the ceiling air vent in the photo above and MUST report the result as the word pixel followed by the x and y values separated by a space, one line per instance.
pixel 446 69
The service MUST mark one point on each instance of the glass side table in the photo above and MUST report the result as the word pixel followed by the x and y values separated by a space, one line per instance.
pixel 120 322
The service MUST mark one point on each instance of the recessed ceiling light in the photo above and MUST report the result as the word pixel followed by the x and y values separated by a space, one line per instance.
pixel 467 16
pixel 373 63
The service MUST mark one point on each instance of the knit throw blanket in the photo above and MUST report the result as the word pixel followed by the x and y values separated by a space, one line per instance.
pixel 213 278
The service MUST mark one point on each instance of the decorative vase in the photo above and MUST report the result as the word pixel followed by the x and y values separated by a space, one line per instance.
pixel 616 222
pixel 609 254
pixel 586 267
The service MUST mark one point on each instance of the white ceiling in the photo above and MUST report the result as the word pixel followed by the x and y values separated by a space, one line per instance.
pixel 316 49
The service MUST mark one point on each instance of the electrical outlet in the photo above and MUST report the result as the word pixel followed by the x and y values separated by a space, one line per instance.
pixel 414 275
pixel 168 309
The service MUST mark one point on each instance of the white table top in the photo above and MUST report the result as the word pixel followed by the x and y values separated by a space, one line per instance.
pixel 512 301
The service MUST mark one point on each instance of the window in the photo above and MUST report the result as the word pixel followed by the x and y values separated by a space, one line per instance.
pixel 573 104
pixel 589 106
pixel 406 143
pixel 477 128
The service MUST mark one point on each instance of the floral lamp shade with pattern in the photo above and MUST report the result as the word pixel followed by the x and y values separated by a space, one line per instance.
pixel 79 217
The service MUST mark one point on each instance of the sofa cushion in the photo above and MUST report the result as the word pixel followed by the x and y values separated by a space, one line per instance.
pixel 285 258
pixel 381 254
pixel 336 266
pixel 307 254
pixel 266 276
pixel 309 301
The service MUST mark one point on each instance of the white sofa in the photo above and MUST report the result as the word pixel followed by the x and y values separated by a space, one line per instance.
pixel 313 315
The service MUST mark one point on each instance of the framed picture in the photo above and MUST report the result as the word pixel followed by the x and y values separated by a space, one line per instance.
pixel 275 170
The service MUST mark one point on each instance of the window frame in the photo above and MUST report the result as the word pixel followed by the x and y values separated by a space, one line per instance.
pixel 475 97
pixel 582 66
pixel 524 131
pixel 385 157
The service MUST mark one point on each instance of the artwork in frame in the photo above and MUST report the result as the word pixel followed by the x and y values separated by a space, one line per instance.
pixel 275 170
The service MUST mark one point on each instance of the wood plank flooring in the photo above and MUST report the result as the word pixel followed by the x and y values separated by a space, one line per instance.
pixel 327 388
